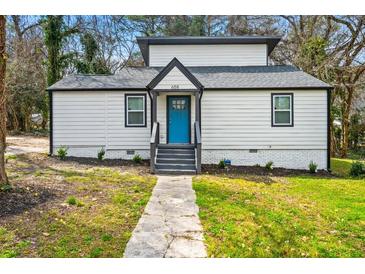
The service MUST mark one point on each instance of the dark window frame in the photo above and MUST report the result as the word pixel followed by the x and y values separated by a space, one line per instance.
pixel 126 95
pixel 291 109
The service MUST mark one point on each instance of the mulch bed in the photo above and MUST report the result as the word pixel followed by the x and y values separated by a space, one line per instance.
pixel 234 171
pixel 105 162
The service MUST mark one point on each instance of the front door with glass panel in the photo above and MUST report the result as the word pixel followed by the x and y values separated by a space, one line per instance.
pixel 178 119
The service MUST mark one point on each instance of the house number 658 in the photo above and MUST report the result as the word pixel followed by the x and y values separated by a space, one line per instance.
pixel 175 87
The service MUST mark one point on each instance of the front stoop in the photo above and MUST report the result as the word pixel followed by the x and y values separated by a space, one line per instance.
pixel 175 159
pixel 170 226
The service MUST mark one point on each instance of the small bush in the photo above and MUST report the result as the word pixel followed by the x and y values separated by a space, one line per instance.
pixel 221 164
pixel 71 200
pixel 106 237
pixel 357 168
pixel 62 152
pixel 257 165
pixel 312 167
pixel 5 187
pixel 269 165
pixel 137 159
pixel 101 154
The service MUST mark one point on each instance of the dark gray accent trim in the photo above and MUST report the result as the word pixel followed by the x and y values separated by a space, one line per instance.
pixel 50 102
pixel 174 63
pixel 168 117
pixel 144 42
pixel 126 106
pixel 292 109
pixel 329 130
pixel 151 110
pixel 101 89
pixel 175 90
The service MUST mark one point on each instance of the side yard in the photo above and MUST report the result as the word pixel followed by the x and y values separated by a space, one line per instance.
pixel 277 216
pixel 69 208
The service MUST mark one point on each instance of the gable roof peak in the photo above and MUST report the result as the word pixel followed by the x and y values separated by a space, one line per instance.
pixel 172 64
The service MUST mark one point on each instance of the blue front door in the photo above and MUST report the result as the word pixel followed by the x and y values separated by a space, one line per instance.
pixel 178 119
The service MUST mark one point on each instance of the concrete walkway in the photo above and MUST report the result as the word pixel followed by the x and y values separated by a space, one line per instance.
pixel 170 226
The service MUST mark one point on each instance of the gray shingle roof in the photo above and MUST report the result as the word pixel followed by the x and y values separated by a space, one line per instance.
pixel 220 77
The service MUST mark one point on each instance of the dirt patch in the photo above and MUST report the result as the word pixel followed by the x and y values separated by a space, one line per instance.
pixel 21 144
pixel 20 199
pixel 28 141
pixel 38 181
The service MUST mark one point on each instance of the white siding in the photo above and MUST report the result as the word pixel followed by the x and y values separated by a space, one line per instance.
pixel 209 55
pixel 175 79
pixel 162 112
pixel 95 119
pixel 242 120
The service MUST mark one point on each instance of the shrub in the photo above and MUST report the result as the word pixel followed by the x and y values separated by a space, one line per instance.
pixel 221 164
pixel 137 159
pixel 101 154
pixel 312 167
pixel 357 168
pixel 269 165
pixel 71 200
pixel 62 152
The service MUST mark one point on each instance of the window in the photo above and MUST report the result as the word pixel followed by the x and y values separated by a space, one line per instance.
pixel 282 110
pixel 178 104
pixel 135 114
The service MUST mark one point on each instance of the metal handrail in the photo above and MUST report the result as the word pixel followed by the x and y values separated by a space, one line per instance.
pixel 198 139
pixel 154 133
pixel 198 146
pixel 155 139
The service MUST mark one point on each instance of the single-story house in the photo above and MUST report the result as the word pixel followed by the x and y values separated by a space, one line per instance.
pixel 196 101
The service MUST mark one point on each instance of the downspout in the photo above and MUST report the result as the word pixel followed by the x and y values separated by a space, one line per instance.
pixel 50 103
pixel 200 107
pixel 151 111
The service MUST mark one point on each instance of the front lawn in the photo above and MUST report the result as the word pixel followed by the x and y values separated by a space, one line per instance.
pixel 297 216
pixel 341 167
pixel 68 209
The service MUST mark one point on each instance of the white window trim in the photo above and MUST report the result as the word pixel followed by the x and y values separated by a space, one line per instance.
pixel 143 111
pixel 286 110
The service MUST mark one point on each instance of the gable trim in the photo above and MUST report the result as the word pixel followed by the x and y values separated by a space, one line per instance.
pixel 174 63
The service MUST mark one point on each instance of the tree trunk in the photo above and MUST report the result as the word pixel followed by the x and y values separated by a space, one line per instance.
pixel 346 121
pixel 3 177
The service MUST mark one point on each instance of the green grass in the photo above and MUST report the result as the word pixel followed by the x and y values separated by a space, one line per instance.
pixel 293 217
pixel 341 167
pixel 94 218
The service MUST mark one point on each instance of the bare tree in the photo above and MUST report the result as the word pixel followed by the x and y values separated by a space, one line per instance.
pixel 3 177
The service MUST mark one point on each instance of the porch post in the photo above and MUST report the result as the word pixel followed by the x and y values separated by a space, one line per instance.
pixel 154 107
pixel 197 106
